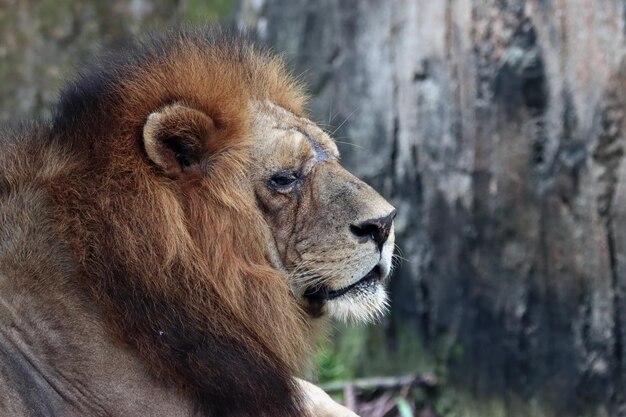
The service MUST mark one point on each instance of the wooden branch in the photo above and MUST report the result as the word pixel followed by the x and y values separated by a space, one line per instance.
pixel 423 380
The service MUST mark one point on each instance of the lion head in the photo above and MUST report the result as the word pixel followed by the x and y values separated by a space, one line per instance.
pixel 331 234
pixel 328 232
pixel 210 220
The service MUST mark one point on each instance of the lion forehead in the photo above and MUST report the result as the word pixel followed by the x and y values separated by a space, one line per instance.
pixel 289 138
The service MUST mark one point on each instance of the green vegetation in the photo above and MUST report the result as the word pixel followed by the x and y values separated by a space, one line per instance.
pixel 353 352
pixel 358 352
pixel 208 10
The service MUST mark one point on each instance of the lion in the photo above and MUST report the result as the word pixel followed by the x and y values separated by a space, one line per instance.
pixel 172 238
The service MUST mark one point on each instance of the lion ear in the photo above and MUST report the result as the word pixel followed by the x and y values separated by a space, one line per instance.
pixel 176 139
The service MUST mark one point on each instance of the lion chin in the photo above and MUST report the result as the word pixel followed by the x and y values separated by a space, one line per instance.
pixel 365 300
pixel 172 234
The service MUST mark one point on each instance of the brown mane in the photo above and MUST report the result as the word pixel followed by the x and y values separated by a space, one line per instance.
pixel 178 270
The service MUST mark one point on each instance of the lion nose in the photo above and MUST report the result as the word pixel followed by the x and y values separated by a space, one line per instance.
pixel 375 229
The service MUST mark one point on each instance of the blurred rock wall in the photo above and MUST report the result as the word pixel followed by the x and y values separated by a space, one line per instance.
pixel 497 129
pixel 42 41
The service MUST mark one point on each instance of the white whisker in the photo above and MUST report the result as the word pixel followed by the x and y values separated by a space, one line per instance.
pixel 344 122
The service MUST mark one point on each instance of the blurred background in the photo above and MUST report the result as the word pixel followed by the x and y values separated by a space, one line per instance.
pixel 496 127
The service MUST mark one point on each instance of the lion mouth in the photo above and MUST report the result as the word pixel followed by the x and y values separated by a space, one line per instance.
pixel 323 293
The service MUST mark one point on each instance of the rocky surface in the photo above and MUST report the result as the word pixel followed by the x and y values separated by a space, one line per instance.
pixel 43 41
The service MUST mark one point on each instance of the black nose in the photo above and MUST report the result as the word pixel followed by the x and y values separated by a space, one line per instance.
pixel 374 229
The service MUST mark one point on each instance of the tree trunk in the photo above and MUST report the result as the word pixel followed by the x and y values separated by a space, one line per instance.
pixel 497 129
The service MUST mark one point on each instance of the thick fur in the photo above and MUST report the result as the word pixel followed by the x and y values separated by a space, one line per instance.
pixel 177 268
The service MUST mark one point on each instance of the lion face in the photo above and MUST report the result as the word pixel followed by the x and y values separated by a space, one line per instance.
pixel 331 233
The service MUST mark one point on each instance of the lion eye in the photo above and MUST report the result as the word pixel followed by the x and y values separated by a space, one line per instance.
pixel 283 180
